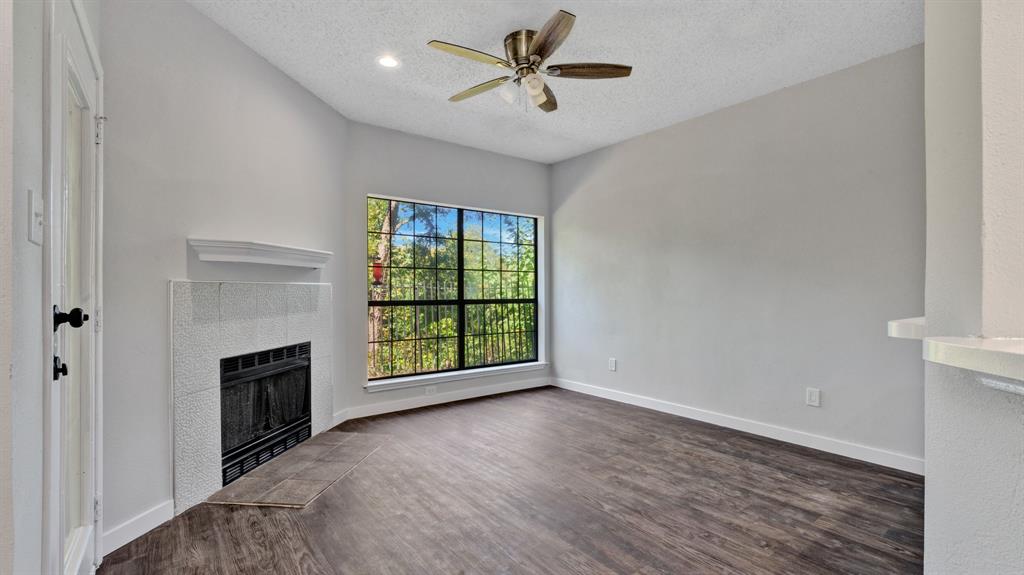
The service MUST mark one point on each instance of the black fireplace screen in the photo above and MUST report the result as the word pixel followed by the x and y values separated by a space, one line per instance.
pixel 264 405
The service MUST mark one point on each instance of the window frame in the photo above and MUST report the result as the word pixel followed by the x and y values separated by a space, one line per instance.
pixel 460 303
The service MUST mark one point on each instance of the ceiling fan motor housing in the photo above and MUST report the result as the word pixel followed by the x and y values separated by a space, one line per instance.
pixel 517 49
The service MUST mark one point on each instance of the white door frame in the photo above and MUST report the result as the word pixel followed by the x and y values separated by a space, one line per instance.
pixel 6 281
pixel 54 81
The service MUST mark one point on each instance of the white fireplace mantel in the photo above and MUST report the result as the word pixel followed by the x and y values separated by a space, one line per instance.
pixel 258 253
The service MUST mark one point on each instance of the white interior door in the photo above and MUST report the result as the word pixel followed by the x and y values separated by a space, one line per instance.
pixel 71 250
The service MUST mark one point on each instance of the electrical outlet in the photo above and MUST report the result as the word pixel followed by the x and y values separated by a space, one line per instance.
pixel 612 364
pixel 430 390
pixel 813 397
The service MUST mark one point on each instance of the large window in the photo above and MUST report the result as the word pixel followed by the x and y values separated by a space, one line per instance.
pixel 448 288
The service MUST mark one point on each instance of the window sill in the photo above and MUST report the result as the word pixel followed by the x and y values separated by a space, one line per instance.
pixel 434 378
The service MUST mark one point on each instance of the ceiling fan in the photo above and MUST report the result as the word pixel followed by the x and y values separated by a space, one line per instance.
pixel 526 51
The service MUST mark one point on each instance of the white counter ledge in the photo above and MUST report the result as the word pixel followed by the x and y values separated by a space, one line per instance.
pixel 909 328
pixel 1002 357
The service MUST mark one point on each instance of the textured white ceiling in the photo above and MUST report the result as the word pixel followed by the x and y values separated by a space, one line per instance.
pixel 689 57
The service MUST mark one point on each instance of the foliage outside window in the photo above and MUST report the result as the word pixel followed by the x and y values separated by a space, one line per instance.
pixel 448 288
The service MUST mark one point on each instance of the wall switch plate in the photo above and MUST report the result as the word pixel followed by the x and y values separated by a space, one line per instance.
pixel 35 217
pixel 612 364
pixel 813 397
pixel 430 390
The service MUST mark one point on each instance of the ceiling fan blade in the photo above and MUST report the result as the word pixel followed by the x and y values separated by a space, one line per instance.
pixel 589 71
pixel 479 89
pixel 551 36
pixel 469 53
pixel 550 104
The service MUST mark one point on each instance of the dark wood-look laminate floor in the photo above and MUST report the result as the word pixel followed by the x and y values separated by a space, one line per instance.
pixel 551 481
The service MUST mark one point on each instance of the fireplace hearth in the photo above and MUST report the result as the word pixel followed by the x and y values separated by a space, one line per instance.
pixel 264 406
pixel 217 320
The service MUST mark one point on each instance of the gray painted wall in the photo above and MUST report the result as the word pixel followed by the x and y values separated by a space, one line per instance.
pixel 27 351
pixel 974 501
pixel 207 139
pixel 730 261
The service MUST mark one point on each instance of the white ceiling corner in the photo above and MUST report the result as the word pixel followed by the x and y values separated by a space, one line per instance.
pixel 690 57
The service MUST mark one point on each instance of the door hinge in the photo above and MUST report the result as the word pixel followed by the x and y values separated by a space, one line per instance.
pixel 97 320
pixel 97 510
pixel 100 121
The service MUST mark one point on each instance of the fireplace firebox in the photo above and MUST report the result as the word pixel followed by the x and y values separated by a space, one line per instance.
pixel 265 407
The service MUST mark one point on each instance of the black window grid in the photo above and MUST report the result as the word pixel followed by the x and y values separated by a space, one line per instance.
pixel 516 266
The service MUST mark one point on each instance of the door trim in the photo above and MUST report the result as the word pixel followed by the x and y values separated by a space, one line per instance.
pixel 53 86
pixel 6 281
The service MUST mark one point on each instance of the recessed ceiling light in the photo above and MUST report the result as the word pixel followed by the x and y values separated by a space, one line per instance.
pixel 388 61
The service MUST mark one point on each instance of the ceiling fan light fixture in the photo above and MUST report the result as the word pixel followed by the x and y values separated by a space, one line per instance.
pixel 534 85
pixel 538 98
pixel 509 92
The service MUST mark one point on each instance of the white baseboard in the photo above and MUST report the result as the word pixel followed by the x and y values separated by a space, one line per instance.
pixel 137 526
pixel 446 397
pixel 883 457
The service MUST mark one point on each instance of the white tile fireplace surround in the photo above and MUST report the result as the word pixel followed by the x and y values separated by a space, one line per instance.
pixel 214 320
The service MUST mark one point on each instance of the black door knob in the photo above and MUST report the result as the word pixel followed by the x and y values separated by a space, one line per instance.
pixel 75 318
pixel 59 368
